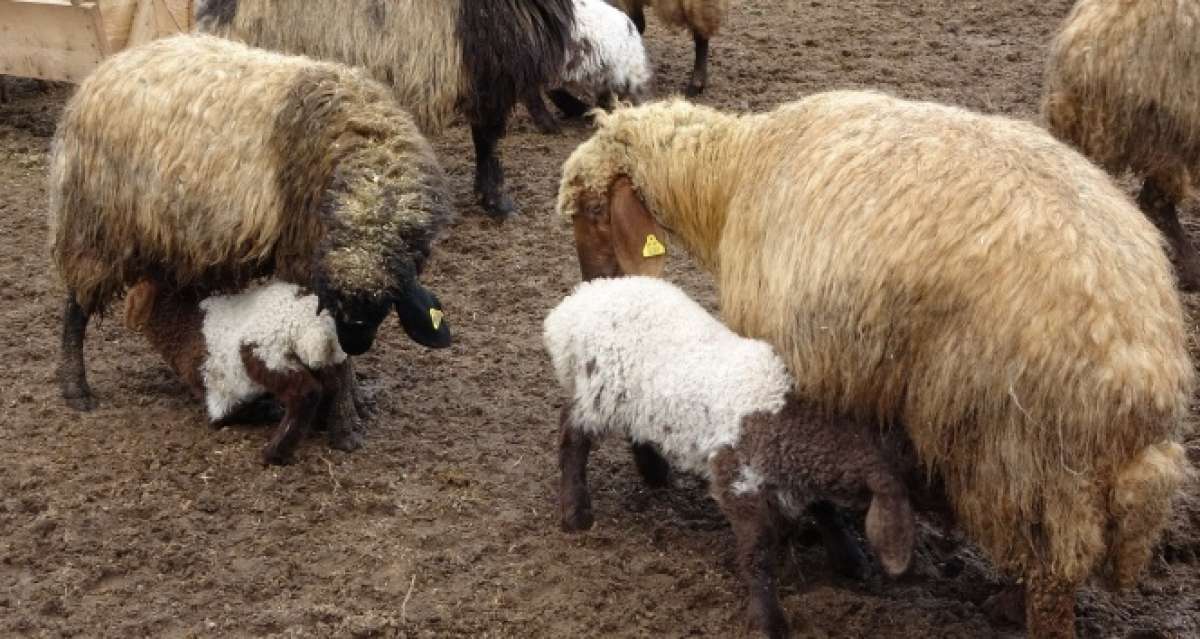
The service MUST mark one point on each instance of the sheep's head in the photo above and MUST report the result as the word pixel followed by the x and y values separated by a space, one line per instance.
pixel 358 317
pixel 615 234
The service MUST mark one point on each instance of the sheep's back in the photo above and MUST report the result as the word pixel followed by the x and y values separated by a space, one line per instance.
pixel 972 279
pixel 1123 83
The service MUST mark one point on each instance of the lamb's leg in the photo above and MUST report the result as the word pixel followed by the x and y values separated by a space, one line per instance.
pixel 639 19
pixel 489 174
pixel 541 116
pixel 655 471
pixel 571 106
pixel 755 527
pixel 1159 200
pixel 72 376
pixel 700 69
pixel 575 504
pixel 3 90
pixel 344 418
pixel 845 553
pixel 1049 607
pixel 300 393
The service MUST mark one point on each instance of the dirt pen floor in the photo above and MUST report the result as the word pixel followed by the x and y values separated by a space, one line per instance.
pixel 139 520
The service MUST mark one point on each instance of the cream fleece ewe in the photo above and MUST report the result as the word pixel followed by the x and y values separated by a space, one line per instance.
pixel 966 280
pixel 637 357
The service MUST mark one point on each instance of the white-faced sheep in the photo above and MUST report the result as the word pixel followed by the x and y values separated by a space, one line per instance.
pixel 197 161
pixel 963 280
pixel 605 59
pixel 1122 85
pixel 474 56
pixel 232 349
pixel 638 358
pixel 702 17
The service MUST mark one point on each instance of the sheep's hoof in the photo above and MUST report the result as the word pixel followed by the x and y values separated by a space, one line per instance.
pixel 498 206
pixel 1189 276
pixel 1006 607
pixel 271 456
pixel 81 400
pixel 347 440
pixel 581 519
pixel 693 89
pixel 770 621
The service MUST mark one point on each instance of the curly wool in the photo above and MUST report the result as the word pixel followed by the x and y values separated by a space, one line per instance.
pixel 642 359
pixel 281 326
pixel 606 54
pixel 962 276
pixel 224 162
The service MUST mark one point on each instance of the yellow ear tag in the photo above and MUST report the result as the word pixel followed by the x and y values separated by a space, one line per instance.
pixel 653 247
pixel 435 316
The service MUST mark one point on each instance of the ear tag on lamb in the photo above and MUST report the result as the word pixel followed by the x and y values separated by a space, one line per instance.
pixel 653 248
pixel 435 316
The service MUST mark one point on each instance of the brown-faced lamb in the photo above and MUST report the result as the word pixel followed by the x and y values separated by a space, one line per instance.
pixel 232 349
pixel 702 17
pixel 605 59
pixel 201 162
pixel 637 357
pixel 477 57
pixel 1123 86
pixel 962 280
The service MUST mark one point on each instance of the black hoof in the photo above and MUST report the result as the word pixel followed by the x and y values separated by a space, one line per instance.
pixel 499 207
pixel 82 401
pixel 693 90
pixel 581 519
pixel 348 441
pixel 274 457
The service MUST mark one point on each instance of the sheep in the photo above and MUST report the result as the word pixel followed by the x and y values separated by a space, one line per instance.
pixel 1121 86
pixel 200 162
pixel 474 56
pixel 231 349
pixel 702 17
pixel 962 280
pixel 639 358
pixel 605 58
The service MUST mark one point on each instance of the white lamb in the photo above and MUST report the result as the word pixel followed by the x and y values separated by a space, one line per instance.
pixel 639 358
pixel 606 59
pixel 232 349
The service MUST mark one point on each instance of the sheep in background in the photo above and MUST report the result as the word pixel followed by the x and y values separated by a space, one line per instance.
pixel 199 162
pixel 1122 85
pixel 702 17
pixel 962 280
pixel 605 59
pixel 231 349
pixel 474 56
pixel 637 357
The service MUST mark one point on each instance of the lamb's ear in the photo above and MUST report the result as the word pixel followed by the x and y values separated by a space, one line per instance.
pixel 891 531
pixel 638 241
pixel 139 303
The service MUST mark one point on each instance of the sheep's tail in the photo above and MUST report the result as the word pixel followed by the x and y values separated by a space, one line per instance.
pixel 1140 504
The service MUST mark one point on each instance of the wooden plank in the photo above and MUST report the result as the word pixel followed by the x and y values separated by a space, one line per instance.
pixel 50 39
pixel 153 19
pixel 118 20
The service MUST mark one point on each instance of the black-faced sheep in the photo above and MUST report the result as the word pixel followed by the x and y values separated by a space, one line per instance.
pixel 1122 85
pixel 605 59
pixel 474 56
pixel 232 349
pixel 702 17
pixel 197 161
pixel 638 358
pixel 961 279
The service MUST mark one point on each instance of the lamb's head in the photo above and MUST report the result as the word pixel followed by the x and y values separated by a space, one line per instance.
pixel 316 342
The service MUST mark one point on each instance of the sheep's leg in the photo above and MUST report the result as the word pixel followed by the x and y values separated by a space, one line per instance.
pixel 575 504
pixel 541 116
pixel 845 553
pixel 1159 199
pixel 639 19
pixel 3 90
pixel 571 106
pixel 700 69
pixel 344 418
pixel 299 392
pixel 756 529
pixel 489 174
pixel 72 376
pixel 655 470
pixel 1049 607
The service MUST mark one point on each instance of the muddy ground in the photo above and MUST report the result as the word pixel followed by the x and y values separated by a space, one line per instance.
pixel 138 519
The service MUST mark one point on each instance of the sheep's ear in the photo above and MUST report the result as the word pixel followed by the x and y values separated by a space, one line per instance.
pixel 891 531
pixel 139 303
pixel 638 241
